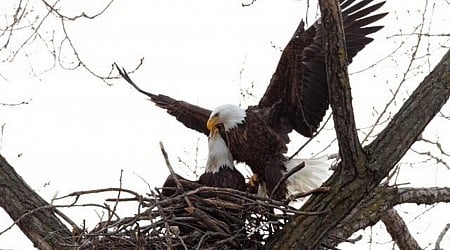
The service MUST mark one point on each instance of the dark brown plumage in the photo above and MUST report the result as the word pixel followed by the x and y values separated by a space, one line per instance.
pixel 296 98
pixel 225 178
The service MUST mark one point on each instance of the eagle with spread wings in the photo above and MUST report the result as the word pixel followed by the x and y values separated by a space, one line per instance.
pixel 296 98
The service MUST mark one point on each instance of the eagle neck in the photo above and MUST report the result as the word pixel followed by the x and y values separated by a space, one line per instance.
pixel 219 156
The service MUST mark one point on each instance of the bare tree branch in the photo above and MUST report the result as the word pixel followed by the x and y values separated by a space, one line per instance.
pixel 339 86
pixel 16 104
pixel 437 144
pixel 431 154
pixel 423 195
pixel 373 207
pixel 32 19
pixel 399 231
pixel 407 125
pixel 437 246
pixel 248 4
pixel 83 14
pixel 174 176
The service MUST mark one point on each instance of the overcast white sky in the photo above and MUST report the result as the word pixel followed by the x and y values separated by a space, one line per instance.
pixel 78 133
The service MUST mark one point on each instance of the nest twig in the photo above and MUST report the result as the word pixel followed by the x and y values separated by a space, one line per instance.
pixel 187 215
pixel 216 218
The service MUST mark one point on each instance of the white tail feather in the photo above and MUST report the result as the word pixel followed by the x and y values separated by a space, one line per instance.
pixel 310 177
pixel 315 172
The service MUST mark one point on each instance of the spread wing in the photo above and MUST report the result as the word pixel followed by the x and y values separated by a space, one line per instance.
pixel 298 88
pixel 191 116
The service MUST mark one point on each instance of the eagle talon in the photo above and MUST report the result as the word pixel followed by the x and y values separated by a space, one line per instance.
pixel 254 180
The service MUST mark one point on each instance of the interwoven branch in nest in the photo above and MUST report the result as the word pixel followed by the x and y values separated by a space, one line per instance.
pixel 215 218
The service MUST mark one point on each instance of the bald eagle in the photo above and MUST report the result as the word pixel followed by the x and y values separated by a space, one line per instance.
pixel 219 172
pixel 296 98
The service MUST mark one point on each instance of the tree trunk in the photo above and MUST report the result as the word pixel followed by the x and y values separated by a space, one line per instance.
pixel 34 216
pixel 357 177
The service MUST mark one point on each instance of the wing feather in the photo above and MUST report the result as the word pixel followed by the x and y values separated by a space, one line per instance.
pixel 192 116
pixel 300 78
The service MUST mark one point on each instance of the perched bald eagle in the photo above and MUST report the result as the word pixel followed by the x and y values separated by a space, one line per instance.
pixel 219 171
pixel 296 98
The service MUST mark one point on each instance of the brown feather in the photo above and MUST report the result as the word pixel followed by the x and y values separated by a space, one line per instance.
pixel 226 177
pixel 192 116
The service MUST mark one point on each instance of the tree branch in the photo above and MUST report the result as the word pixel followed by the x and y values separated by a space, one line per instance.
pixel 437 246
pixel 347 191
pixel 373 207
pixel 399 231
pixel 339 86
pixel 40 223
pixel 423 195
pixel 412 118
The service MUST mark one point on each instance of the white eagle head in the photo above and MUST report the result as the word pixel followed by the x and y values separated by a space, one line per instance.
pixel 218 155
pixel 228 114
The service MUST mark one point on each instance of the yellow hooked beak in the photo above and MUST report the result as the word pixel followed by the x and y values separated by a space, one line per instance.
pixel 211 124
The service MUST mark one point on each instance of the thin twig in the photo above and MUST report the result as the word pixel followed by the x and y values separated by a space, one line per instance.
pixel 286 176
pixel 437 246
pixel 174 175
pixel 293 197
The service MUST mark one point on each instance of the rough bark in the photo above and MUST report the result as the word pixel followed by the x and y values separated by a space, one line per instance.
pixel 339 85
pixel 412 118
pixel 351 183
pixel 34 216
pixel 373 207
pixel 427 196
pixel 398 230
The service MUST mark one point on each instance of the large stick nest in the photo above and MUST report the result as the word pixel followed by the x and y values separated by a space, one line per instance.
pixel 193 217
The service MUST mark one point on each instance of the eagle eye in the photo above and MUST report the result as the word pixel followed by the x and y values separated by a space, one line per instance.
pixel 220 126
